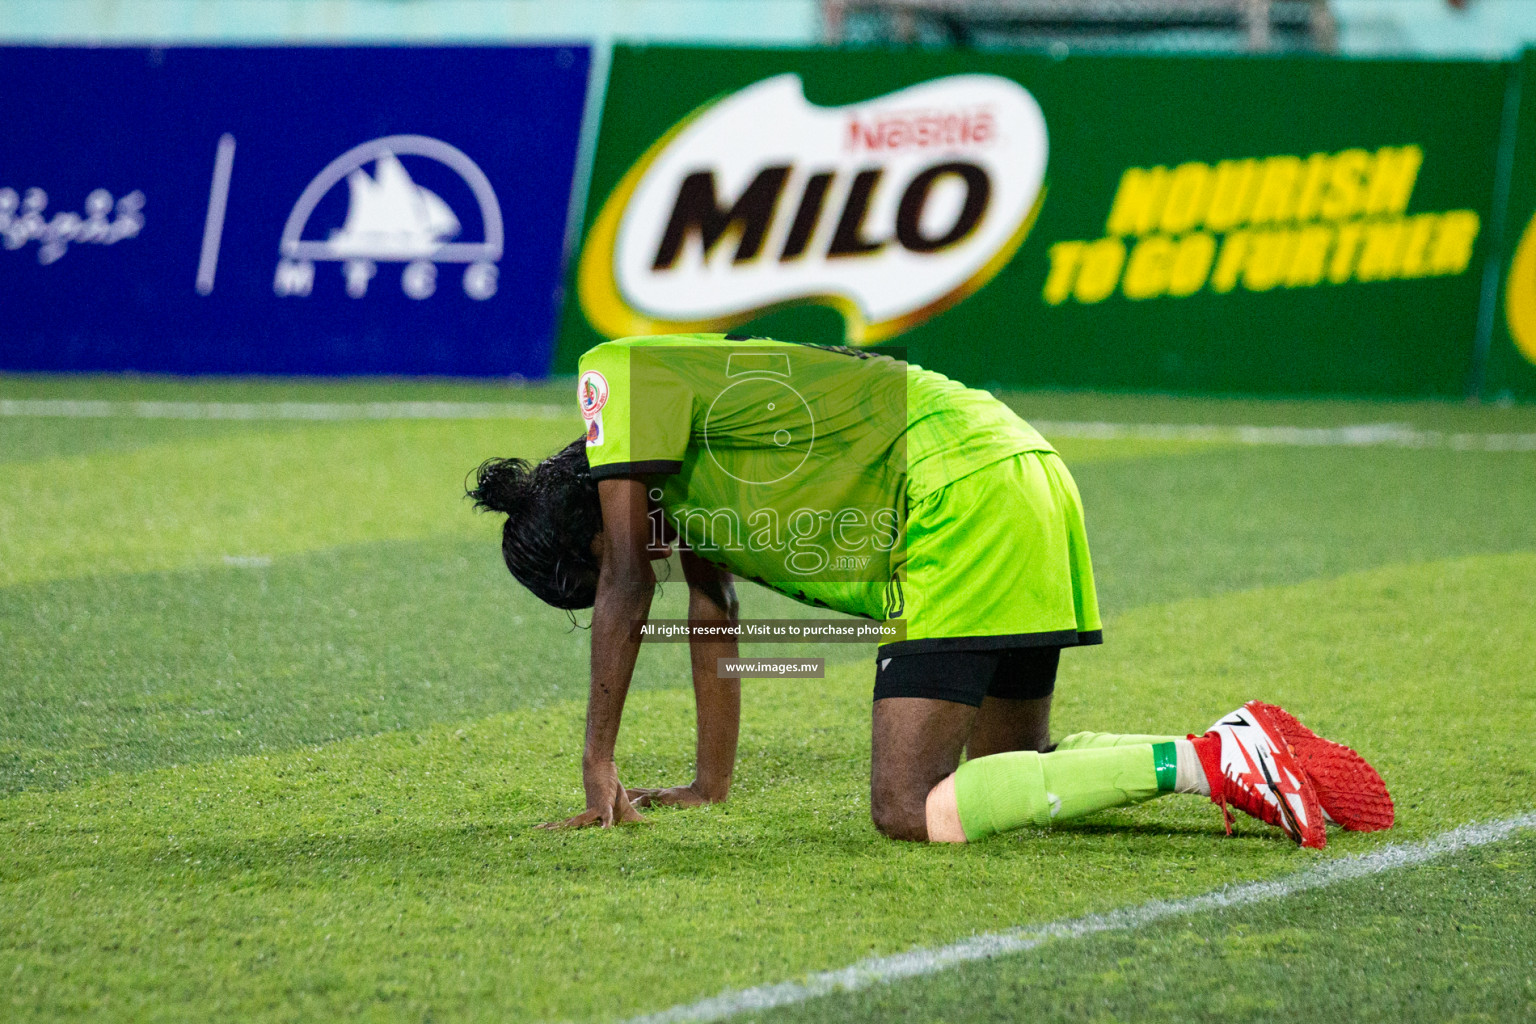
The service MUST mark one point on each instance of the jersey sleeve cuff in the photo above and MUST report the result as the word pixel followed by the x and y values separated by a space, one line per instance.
pixel 660 467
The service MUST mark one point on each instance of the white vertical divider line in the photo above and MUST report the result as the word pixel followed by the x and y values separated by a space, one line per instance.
pixel 213 227
pixel 600 63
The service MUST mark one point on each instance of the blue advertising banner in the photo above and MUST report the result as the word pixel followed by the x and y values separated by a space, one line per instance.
pixel 285 210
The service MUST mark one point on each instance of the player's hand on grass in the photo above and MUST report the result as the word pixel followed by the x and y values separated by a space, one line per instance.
pixel 672 796
pixel 607 800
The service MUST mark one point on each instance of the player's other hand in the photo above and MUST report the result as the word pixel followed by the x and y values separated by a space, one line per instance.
pixel 673 796
pixel 607 800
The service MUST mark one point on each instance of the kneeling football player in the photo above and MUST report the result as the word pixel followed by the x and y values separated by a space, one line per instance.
pixel 872 487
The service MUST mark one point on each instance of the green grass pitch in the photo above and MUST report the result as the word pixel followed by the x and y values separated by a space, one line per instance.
pixel 275 726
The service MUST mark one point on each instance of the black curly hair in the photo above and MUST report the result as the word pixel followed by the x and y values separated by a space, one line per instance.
pixel 552 515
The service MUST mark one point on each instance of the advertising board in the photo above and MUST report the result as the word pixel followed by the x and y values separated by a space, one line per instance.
pixel 1511 367
pixel 1283 225
pixel 286 210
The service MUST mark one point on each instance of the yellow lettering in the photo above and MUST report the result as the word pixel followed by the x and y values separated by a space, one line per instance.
pixel 1191 263
pixel 1165 209
pixel 1268 257
pixel 1310 196
pixel 1452 249
pixel 1189 191
pixel 1345 194
pixel 1414 260
pixel 1382 253
pixel 1065 257
pixel 1276 200
pixel 1393 175
pixel 1146 275
pixel 1231 194
pixel 1138 201
pixel 1100 271
pixel 1342 266
pixel 1310 257
pixel 1234 249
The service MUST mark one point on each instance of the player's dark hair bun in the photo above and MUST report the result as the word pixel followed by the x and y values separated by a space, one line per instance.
pixel 502 485
pixel 552 515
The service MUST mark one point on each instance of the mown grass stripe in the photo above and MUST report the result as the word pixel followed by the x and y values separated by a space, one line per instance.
pixel 1391 435
pixel 918 962
pixel 62 408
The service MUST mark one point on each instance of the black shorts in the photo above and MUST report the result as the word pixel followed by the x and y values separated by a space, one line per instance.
pixel 965 677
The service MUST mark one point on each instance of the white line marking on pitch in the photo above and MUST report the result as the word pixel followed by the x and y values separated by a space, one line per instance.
pixel 885 969
pixel 1362 435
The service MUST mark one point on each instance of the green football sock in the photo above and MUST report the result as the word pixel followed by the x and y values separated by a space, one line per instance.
pixel 1096 740
pixel 1008 791
pixel 1189 776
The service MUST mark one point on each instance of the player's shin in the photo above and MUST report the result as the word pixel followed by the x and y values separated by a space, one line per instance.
pixel 1099 740
pixel 1007 791
pixel 1191 776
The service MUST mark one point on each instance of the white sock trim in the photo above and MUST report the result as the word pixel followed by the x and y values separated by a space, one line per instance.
pixel 1190 777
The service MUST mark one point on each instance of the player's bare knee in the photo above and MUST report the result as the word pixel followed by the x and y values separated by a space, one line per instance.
pixel 898 817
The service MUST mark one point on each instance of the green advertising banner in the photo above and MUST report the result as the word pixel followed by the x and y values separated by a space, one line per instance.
pixel 1279 225
pixel 1512 355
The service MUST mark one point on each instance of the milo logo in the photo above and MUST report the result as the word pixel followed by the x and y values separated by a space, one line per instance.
pixel 890 210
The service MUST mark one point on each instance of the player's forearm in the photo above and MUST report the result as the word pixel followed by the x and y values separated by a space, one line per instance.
pixel 719 706
pixel 615 647
pixel 719 713
pixel 718 700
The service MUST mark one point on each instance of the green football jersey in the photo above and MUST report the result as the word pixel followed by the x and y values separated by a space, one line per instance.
pixel 791 465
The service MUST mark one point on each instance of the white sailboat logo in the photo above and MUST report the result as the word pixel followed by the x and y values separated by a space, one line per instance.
pixel 391 219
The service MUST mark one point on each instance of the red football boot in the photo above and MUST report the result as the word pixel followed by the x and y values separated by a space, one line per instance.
pixel 1350 790
pixel 1249 766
